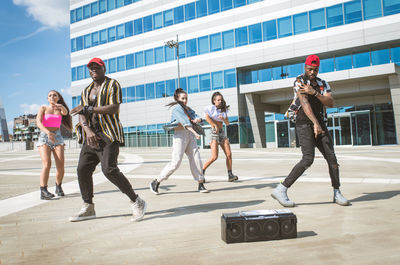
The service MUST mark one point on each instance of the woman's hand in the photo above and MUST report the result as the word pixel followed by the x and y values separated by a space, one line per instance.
pixel 197 120
pixel 52 137
pixel 214 128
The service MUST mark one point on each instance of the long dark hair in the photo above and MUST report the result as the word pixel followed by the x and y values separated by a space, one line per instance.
pixel 223 106
pixel 66 120
pixel 176 101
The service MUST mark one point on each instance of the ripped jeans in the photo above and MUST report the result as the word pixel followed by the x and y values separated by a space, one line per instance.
pixel 324 143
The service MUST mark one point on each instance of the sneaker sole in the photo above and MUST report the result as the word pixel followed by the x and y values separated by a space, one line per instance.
pixel 151 189
pixel 233 180
pixel 140 217
pixel 273 196
pixel 82 218
pixel 203 191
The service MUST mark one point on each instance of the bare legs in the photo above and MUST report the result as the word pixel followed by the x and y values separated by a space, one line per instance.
pixel 45 154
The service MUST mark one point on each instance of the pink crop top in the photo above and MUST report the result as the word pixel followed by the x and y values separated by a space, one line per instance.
pixel 52 120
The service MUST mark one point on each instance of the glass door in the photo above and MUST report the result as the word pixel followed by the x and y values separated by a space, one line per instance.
pixel 282 133
pixel 339 126
pixel 361 128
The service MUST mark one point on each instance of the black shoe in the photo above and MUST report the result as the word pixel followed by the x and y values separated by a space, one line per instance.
pixel 232 178
pixel 59 190
pixel 45 194
pixel 202 188
pixel 154 186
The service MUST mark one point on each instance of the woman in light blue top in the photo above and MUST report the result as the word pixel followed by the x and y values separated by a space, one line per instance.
pixel 184 142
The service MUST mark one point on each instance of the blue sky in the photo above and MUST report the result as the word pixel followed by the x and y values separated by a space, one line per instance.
pixel 34 53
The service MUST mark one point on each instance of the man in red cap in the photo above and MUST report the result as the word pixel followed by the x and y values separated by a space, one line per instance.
pixel 312 94
pixel 101 133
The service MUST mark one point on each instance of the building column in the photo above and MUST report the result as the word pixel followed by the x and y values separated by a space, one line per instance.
pixel 394 82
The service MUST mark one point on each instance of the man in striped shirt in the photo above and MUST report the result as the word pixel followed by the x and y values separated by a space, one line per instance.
pixel 101 133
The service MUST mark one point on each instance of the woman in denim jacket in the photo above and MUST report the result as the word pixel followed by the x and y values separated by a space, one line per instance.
pixel 184 142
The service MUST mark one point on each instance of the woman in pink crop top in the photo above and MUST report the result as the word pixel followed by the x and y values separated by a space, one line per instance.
pixel 49 119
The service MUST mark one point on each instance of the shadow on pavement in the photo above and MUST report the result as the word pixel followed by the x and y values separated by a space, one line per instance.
pixel 374 196
pixel 235 187
pixel 303 234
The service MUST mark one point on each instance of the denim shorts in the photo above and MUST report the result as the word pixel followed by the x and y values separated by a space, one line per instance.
pixel 44 139
pixel 219 136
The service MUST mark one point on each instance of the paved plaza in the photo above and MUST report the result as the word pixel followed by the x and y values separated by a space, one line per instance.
pixel 183 226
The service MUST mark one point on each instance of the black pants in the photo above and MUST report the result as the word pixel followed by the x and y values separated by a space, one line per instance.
pixel 107 155
pixel 324 143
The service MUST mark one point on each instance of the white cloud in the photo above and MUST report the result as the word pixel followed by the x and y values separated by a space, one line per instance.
pixel 51 13
pixel 24 37
pixel 29 109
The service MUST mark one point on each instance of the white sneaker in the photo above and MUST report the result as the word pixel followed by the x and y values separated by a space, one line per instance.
pixel 87 212
pixel 138 209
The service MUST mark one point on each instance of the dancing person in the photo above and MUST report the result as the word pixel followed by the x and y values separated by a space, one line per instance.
pixel 216 115
pixel 311 95
pixel 184 142
pixel 100 130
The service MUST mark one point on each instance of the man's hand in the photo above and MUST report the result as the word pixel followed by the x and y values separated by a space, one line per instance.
pixel 91 137
pixel 317 130
pixel 307 89
pixel 76 110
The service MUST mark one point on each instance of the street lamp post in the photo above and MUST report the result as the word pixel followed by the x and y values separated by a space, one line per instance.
pixel 175 44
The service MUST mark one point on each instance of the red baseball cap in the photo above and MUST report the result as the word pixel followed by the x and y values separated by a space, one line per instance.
pixel 312 60
pixel 96 61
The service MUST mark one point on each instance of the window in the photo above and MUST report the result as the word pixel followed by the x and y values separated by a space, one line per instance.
pixel 168 18
pixel 372 9
pixel 334 15
pixel 72 16
pixel 129 61
pixel 179 15
pixel 300 23
pixel 230 78
pixel 277 72
pixel 238 3
pixel 73 74
pixel 128 2
pixel 380 57
pixel 191 47
pixel 139 93
pixel 103 36
pixel 352 11
pixel 182 49
pixel 391 7
pixel 228 39
pixel 193 84
pixel 343 63
pixel 284 27
pixel 95 38
pixel 205 82
pixel 395 55
pixel 79 43
pixel 241 36
pixel 87 41
pixel 73 45
pixel 138 26
pixel 159 55
pixel 148 57
pixel 102 6
pixel 158 20
pixel 327 65
pixel 203 45
pixel 121 63
pixel 255 34
pixel 80 72
pixel 128 29
pixel 213 7
pixel 150 91
pixel 317 19
pixel 265 75
pixel 139 59
pixel 190 11
pixel 215 42
pixel 169 53
pixel 160 89
pixel 120 3
pixel 130 94
pixel 226 4
pixel 201 8
pixel 112 65
pixel 217 81
pixel 87 74
pixel 79 14
pixel 170 87
pixel 294 70
pixel 86 11
pixel 361 60
pixel 182 84
pixel 110 5
pixel 269 30
pixel 111 34
pixel 147 23
pixel 120 32
pixel 123 91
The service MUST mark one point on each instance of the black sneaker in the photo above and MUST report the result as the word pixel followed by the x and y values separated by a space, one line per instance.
pixel 154 186
pixel 202 188
pixel 232 178
pixel 45 194
pixel 59 190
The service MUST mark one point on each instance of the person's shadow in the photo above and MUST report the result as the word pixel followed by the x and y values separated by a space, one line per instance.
pixel 374 196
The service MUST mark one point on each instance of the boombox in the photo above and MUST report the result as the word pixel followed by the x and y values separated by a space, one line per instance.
pixel 262 225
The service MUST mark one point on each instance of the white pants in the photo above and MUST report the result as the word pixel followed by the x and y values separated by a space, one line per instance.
pixel 184 143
